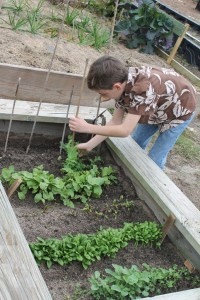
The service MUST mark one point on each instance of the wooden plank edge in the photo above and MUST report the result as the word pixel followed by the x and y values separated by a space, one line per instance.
pixel 22 262
pixel 192 294
pixel 32 83
pixel 179 68
pixel 40 70
pixel 142 170
pixel 49 112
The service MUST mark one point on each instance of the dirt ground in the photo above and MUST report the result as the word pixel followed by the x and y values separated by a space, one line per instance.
pixel 22 48
pixel 186 8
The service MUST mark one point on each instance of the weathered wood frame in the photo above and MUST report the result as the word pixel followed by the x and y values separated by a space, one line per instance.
pixel 20 278
pixel 151 184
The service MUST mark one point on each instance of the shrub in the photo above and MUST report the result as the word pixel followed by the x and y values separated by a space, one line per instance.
pixel 145 27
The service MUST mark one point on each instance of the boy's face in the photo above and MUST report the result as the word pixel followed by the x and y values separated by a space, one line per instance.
pixel 115 93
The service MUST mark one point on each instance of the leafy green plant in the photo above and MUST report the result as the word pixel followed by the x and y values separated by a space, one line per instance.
pixel 93 34
pixel 16 6
pixel 123 283
pixel 79 182
pixel 87 248
pixel 35 21
pixel 100 36
pixel 15 21
pixel 98 7
pixel 71 16
pixel 21 13
pixel 54 17
pixel 144 27
pixel 39 7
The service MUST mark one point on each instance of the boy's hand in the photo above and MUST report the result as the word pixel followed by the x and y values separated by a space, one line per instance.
pixel 78 125
pixel 83 148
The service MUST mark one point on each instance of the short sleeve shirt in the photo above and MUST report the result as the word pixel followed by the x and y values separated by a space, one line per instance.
pixel 161 96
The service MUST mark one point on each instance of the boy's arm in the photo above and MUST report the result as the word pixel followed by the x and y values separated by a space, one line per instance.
pixel 116 127
pixel 117 118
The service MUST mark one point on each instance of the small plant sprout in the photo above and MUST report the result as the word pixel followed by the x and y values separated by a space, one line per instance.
pixel 15 6
pixel 16 22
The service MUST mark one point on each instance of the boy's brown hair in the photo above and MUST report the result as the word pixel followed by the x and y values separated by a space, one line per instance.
pixel 105 72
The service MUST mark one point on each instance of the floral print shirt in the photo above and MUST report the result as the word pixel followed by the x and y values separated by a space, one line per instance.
pixel 161 96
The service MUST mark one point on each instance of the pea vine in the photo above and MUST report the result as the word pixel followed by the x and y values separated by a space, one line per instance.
pixel 79 181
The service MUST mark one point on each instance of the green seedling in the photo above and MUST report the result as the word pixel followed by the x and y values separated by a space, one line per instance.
pixel 87 248
pixel 133 283
pixel 35 21
pixel 15 6
pixel 16 22
pixel 71 16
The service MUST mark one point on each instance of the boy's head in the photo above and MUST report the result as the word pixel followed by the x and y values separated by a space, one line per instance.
pixel 105 72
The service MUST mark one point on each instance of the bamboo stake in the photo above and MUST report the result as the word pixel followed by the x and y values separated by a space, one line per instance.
pixel 82 86
pixel 11 117
pixel 97 114
pixel 109 48
pixel 81 92
pixel 47 78
pixel 113 26
pixel 67 114
pixel 98 107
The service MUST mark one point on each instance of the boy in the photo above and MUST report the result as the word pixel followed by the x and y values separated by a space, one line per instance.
pixel 154 99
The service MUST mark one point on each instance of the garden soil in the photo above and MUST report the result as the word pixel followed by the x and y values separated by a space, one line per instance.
pixel 55 220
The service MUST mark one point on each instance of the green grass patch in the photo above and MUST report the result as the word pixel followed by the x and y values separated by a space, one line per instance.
pixel 187 147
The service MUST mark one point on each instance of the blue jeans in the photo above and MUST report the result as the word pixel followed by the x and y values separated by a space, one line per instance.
pixel 164 142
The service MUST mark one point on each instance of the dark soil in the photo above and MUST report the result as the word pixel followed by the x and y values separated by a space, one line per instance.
pixel 56 220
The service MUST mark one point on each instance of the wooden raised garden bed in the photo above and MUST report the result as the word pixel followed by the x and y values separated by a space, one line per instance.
pixel 20 276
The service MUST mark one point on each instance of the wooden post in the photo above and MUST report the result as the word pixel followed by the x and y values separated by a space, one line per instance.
pixel 67 115
pixel 189 266
pixel 13 187
pixel 176 46
pixel 113 26
pixel 168 224
pixel 11 117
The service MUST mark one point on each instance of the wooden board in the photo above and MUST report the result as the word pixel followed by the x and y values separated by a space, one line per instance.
pixel 20 278
pixel 161 195
pixel 49 112
pixel 58 88
pixel 193 294
pixel 180 68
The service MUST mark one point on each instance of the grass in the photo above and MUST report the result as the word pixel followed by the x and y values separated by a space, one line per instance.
pixel 187 147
